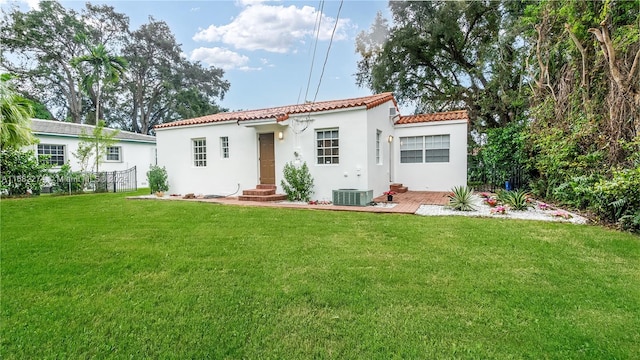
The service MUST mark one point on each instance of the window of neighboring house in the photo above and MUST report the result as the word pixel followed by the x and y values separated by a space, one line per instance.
pixel 436 148
pixel 327 146
pixel 224 147
pixel 114 153
pixel 428 149
pixel 411 149
pixel 199 152
pixel 378 155
pixel 55 153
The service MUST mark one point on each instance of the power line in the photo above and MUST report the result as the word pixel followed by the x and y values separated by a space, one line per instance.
pixel 313 58
pixel 328 49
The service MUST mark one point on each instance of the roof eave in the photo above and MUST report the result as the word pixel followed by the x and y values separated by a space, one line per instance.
pixel 41 133
pixel 434 122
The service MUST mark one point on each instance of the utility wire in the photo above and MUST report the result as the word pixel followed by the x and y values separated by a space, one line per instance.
pixel 313 58
pixel 328 49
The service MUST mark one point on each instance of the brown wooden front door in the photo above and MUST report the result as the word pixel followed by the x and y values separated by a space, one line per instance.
pixel 267 159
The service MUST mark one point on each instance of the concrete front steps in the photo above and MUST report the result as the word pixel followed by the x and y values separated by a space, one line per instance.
pixel 398 188
pixel 262 193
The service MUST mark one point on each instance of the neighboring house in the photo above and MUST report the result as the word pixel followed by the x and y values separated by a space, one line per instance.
pixel 59 140
pixel 360 143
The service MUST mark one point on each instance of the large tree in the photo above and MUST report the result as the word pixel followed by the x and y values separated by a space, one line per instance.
pixel 38 47
pixel 448 55
pixel 102 68
pixel 162 85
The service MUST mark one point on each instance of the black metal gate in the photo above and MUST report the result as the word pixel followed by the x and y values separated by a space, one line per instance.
pixel 116 181
pixel 484 178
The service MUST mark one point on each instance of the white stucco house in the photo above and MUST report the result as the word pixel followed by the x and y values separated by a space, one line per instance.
pixel 59 140
pixel 360 143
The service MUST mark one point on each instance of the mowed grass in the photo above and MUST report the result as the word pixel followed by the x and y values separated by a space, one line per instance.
pixel 99 276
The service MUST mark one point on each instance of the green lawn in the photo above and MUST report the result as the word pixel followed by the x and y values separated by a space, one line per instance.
pixel 98 276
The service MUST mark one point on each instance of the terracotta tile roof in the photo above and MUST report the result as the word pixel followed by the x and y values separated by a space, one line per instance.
pixel 441 116
pixel 282 113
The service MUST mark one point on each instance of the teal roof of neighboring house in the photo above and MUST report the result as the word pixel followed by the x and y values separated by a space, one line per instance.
pixel 66 129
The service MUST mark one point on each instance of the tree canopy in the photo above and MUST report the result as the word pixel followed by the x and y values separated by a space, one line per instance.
pixel 558 80
pixel 39 47
pixel 447 55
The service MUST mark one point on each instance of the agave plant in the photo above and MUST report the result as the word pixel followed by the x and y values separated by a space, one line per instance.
pixel 461 198
pixel 517 200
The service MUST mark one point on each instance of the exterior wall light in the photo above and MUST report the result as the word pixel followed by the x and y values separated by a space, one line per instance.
pixel 280 135
pixel 390 139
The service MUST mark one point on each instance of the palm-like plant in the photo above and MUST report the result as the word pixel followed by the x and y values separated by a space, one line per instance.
pixel 104 68
pixel 461 198
pixel 517 200
pixel 15 117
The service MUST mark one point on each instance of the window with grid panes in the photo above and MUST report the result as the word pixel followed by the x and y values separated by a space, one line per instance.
pixel 327 145
pixel 55 153
pixel 436 148
pixel 199 152
pixel 411 149
pixel 114 153
pixel 224 147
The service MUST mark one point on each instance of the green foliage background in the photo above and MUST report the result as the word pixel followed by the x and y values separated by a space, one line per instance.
pixel 20 171
pixel 553 87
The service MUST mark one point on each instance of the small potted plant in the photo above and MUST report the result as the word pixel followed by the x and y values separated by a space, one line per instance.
pixel 389 195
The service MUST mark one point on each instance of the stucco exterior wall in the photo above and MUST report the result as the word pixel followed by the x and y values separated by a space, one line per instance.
pixel 358 167
pixel 220 176
pixel 357 131
pixel 379 173
pixel 138 154
pixel 351 171
pixel 433 176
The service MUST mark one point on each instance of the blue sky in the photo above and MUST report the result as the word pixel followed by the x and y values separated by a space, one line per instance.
pixel 265 47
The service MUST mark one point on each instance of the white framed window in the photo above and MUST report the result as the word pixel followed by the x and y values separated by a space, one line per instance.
pixel 378 154
pixel 411 149
pixel 114 153
pixel 55 153
pixel 199 152
pixel 436 148
pixel 224 147
pixel 424 149
pixel 327 146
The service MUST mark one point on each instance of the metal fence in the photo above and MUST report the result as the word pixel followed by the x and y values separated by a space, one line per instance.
pixel 116 181
pixel 485 178
pixel 103 181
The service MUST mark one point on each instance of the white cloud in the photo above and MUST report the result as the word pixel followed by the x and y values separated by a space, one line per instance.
pixel 266 62
pixel 32 4
pixel 244 3
pixel 222 58
pixel 248 68
pixel 272 28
